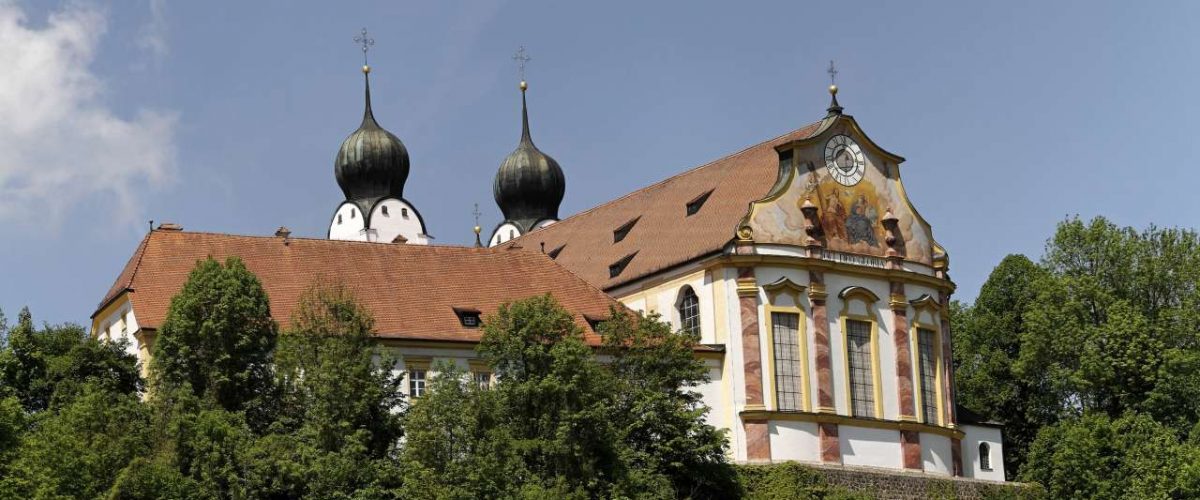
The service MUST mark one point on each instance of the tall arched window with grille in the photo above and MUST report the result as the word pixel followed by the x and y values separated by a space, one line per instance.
pixel 689 311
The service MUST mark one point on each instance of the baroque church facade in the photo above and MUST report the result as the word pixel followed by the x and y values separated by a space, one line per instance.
pixel 818 292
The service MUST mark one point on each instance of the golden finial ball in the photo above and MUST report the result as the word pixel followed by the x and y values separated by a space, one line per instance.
pixel 524 85
pixel 366 69
pixel 833 89
pixel 478 229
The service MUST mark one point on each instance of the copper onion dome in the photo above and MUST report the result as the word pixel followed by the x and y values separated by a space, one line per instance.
pixel 529 185
pixel 372 162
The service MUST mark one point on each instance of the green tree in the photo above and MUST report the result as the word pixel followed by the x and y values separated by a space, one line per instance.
pixel 660 412
pixel 218 339
pixel 77 451
pixel 1107 323
pixel 566 419
pixel 50 365
pixel 339 426
pixel 555 399
pixel 455 445
pixel 1096 456
pixel 987 345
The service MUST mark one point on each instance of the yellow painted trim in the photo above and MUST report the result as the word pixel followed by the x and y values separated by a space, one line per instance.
pixel 720 306
pixel 874 423
pixel 915 343
pixel 870 317
pixel 120 301
pixel 802 340
pixel 417 362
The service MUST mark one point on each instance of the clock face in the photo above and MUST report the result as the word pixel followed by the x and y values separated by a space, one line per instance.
pixel 844 160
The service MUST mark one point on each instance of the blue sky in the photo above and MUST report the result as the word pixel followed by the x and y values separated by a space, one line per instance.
pixel 225 116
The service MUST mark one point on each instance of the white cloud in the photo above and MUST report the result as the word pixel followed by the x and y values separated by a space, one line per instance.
pixel 152 37
pixel 60 142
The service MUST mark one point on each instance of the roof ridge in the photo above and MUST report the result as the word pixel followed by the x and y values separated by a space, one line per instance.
pixel 681 174
pixel 326 240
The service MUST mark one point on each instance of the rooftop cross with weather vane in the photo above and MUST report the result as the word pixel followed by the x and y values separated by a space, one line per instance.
pixel 365 40
pixel 521 58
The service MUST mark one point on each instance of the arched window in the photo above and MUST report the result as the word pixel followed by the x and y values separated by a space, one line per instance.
pixel 689 311
pixel 339 218
pixel 985 456
pixel 353 212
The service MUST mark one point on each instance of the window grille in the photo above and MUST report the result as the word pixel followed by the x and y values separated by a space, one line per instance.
pixel 789 382
pixel 927 344
pixel 689 311
pixel 862 380
pixel 416 383
pixel 985 456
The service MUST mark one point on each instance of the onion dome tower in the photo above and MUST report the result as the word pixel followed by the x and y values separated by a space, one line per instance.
pixel 371 167
pixel 529 186
pixel 372 162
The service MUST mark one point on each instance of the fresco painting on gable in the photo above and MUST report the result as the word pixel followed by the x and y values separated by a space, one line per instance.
pixel 850 215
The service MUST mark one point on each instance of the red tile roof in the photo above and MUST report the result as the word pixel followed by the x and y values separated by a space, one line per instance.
pixel 665 235
pixel 411 290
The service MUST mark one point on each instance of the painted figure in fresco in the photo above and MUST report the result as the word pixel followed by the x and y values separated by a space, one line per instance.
pixel 860 225
pixel 834 217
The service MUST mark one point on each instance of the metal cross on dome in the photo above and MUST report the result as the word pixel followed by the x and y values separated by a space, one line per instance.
pixel 476 214
pixel 521 58
pixel 832 73
pixel 366 42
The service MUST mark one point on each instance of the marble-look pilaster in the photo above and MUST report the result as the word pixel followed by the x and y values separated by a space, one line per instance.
pixel 910 447
pixel 831 448
pixel 821 346
pixel 904 367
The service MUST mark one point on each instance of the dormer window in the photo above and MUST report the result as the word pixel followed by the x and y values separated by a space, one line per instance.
pixel 621 232
pixel 593 322
pixel 468 317
pixel 697 202
pixel 385 211
pixel 617 267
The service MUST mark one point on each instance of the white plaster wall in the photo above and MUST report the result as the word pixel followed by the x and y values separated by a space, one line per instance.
pixel 505 232
pixel 735 363
pixel 976 434
pixel 713 395
pixel 870 447
pixel 351 226
pixel 543 223
pixel 794 441
pixel 401 219
pixel 936 454
pixel 637 304
pixel 109 329
pixel 834 284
